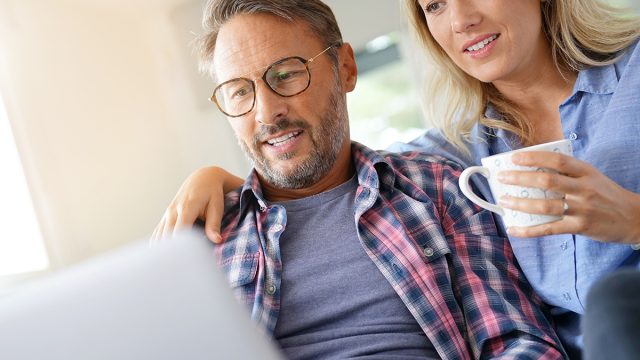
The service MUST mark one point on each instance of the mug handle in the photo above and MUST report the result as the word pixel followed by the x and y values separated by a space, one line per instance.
pixel 463 182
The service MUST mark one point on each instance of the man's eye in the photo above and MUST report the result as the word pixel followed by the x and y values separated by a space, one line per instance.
pixel 283 75
pixel 240 93
pixel 286 76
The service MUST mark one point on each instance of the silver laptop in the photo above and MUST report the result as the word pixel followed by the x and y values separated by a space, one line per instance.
pixel 169 301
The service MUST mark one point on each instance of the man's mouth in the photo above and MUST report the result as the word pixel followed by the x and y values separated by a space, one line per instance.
pixel 284 139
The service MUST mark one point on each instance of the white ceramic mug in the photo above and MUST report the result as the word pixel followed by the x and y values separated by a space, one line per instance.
pixel 490 168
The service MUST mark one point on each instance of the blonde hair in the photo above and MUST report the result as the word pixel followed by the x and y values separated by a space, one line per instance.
pixel 581 33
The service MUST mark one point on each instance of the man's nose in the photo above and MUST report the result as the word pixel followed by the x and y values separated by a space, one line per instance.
pixel 464 15
pixel 269 107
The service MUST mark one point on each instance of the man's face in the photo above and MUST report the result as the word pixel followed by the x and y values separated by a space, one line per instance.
pixel 292 141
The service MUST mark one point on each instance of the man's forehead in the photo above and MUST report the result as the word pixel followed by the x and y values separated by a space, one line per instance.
pixel 241 58
pixel 247 43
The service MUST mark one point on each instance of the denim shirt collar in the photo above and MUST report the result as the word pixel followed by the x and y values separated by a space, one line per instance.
pixel 600 80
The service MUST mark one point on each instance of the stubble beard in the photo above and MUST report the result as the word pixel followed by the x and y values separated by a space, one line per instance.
pixel 327 140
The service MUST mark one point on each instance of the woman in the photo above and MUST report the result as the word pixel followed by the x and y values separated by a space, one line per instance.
pixel 519 73
pixel 510 74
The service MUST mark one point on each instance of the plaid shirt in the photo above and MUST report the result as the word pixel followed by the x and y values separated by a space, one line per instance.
pixel 440 252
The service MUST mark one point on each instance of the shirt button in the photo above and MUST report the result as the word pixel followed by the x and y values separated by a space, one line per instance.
pixel 396 268
pixel 277 227
pixel 564 246
pixel 573 136
pixel 271 289
pixel 428 252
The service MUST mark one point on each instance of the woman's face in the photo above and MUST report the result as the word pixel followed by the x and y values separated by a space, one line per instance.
pixel 491 40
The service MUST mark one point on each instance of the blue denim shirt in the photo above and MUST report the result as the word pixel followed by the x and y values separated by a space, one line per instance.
pixel 602 119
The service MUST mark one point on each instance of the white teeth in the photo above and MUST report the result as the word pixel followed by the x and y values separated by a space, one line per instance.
pixel 282 139
pixel 479 45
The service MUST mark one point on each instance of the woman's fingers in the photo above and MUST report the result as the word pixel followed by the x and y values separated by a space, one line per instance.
pixel 201 196
pixel 567 225
pixel 157 233
pixel 170 217
pixel 561 163
pixel 186 217
pixel 539 180
pixel 213 218
pixel 535 206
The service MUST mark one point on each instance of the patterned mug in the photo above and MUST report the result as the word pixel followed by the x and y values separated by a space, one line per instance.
pixel 490 168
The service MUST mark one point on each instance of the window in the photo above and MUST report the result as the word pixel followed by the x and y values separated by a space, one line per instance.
pixel 384 108
pixel 21 245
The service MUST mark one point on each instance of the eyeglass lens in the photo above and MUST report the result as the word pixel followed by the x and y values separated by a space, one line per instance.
pixel 287 77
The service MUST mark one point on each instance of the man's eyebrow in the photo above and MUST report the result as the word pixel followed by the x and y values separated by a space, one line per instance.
pixel 259 70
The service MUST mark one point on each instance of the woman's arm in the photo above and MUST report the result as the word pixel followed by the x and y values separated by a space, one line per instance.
pixel 201 196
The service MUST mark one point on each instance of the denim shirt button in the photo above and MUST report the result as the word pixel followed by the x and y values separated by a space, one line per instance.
pixel 573 136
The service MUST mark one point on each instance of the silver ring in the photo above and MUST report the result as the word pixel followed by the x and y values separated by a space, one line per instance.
pixel 565 207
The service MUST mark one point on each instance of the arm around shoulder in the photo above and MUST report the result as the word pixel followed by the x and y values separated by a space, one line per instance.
pixel 201 196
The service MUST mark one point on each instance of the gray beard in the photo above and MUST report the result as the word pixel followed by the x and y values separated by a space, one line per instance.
pixel 327 140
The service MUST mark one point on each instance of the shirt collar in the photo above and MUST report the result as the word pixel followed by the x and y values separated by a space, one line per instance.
pixel 252 192
pixel 371 170
pixel 371 167
pixel 599 80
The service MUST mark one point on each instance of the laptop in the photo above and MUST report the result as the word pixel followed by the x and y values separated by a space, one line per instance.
pixel 169 301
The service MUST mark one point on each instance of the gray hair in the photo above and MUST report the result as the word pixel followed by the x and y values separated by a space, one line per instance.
pixel 316 14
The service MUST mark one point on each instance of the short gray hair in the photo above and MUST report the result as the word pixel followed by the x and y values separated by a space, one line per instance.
pixel 316 14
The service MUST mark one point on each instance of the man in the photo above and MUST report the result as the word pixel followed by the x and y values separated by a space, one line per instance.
pixel 341 251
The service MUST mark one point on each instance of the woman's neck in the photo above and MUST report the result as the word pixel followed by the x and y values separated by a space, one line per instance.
pixel 538 95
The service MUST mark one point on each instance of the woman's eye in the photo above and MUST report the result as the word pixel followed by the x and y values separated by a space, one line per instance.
pixel 433 7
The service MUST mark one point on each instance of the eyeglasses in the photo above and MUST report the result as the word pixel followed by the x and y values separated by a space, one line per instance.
pixel 286 77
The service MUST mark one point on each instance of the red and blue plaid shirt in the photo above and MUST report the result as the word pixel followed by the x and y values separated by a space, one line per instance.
pixel 440 252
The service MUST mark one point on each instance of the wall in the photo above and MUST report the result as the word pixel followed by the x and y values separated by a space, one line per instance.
pixel 104 120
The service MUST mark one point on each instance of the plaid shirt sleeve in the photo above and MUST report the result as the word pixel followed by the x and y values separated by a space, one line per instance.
pixel 503 316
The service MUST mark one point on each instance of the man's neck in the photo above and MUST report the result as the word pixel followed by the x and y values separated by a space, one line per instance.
pixel 342 171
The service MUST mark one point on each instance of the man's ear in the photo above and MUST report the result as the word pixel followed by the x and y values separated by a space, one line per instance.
pixel 348 67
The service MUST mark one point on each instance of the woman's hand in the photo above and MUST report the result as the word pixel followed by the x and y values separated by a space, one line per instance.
pixel 201 196
pixel 595 206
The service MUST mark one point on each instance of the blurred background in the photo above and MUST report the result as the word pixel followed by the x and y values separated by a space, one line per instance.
pixel 103 114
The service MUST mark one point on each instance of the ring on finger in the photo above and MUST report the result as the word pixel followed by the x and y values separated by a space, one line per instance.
pixel 565 207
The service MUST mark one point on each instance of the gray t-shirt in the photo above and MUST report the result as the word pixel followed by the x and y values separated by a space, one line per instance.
pixel 335 301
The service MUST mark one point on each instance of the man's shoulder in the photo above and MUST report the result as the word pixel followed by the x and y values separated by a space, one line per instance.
pixel 410 169
pixel 232 198
pixel 231 208
pixel 416 164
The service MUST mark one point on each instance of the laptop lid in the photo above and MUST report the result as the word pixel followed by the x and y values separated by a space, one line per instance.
pixel 169 301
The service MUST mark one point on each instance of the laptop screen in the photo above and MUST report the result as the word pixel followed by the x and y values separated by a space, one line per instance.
pixel 169 301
